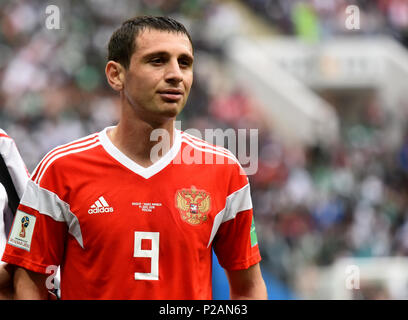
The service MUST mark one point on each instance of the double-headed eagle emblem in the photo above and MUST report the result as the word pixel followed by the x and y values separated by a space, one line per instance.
pixel 193 205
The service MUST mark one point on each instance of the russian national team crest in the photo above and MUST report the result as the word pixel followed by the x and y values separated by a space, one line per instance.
pixel 193 205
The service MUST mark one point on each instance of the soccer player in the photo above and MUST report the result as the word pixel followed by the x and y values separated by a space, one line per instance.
pixel 125 212
pixel 13 180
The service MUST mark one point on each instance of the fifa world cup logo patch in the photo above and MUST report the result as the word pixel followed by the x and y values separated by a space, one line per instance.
pixel 193 205
pixel 25 221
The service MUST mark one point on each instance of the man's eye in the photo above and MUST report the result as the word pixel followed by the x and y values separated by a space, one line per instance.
pixel 156 60
pixel 185 63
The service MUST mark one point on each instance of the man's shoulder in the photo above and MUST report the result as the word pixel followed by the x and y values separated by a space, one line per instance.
pixel 81 145
pixel 3 134
pixel 66 154
pixel 7 144
pixel 220 154
pixel 5 138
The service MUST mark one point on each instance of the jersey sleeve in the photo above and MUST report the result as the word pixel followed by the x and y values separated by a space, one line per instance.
pixel 19 176
pixel 14 163
pixel 37 237
pixel 235 242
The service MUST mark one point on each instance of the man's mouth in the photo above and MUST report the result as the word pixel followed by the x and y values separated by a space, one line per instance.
pixel 171 95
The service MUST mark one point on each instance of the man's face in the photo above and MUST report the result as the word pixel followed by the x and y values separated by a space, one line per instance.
pixel 158 80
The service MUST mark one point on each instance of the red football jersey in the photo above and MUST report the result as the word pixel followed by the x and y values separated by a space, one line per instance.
pixel 122 231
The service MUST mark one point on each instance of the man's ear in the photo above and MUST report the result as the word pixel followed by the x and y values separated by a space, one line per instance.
pixel 115 74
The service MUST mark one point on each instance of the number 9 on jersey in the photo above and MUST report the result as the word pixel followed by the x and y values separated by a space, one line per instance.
pixel 152 253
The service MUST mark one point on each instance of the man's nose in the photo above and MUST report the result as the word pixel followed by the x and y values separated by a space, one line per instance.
pixel 173 72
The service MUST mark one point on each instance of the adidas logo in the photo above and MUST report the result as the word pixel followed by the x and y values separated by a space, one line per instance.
pixel 100 206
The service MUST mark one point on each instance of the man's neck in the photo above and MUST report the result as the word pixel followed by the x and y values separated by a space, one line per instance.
pixel 137 140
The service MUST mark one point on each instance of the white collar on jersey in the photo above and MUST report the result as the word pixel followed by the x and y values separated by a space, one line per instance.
pixel 132 165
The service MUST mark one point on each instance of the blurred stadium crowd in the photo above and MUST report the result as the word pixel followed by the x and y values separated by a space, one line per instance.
pixel 312 204
pixel 318 19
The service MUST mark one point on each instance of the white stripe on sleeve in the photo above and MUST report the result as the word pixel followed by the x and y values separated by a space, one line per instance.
pixel 236 202
pixel 48 203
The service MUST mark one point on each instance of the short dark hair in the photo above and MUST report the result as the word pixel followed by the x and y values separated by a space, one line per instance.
pixel 122 43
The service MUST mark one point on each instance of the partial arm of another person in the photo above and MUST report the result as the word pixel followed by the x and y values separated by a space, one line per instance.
pixel 247 284
pixel 13 168
pixel 29 285
pixel 6 281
